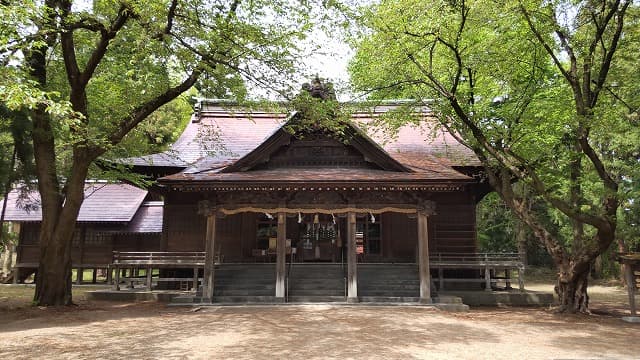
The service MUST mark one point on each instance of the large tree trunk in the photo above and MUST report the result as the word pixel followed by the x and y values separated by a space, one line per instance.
pixel 53 280
pixel 571 289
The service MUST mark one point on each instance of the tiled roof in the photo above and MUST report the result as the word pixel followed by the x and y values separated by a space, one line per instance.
pixel 323 175
pixel 148 219
pixel 102 203
pixel 221 135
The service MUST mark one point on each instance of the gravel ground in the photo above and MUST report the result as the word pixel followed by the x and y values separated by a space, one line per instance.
pixel 149 331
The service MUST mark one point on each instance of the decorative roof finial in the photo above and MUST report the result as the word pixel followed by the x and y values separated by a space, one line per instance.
pixel 320 90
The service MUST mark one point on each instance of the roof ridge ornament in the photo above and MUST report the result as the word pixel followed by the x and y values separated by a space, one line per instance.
pixel 319 89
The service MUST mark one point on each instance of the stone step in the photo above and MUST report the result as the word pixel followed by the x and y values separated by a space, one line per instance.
pixel 244 281
pixel 244 292
pixel 339 287
pixel 317 277
pixel 387 286
pixel 389 293
pixel 445 299
pixel 389 299
pixel 315 299
pixel 247 299
pixel 184 299
pixel 244 277
pixel 452 307
pixel 245 286
pixel 316 292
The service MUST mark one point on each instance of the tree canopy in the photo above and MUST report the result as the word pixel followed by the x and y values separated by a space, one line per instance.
pixel 541 91
pixel 87 74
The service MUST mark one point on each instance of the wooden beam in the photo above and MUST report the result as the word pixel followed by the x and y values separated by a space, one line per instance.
pixel 423 257
pixel 281 253
pixel 208 281
pixel 352 259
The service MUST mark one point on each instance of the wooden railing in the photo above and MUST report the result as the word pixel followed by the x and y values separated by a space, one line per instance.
pixel 157 260
pixel 488 263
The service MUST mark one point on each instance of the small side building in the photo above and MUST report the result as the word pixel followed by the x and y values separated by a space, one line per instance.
pixel 113 217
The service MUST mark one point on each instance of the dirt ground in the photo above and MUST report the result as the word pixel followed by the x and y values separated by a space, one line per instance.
pixel 150 330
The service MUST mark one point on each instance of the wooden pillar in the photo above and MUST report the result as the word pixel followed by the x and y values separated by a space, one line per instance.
pixel 117 282
pixel 487 278
pixel 521 278
pixel 352 259
pixel 423 257
pixel 281 254
pixel 209 247
pixel 109 271
pixel 631 287
pixel 79 275
pixel 487 274
pixel 149 274
pixel 94 276
pixel 195 279
pixel 80 271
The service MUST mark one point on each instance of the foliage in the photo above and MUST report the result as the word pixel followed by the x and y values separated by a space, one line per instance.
pixel 318 112
pixel 496 226
pixel 89 74
pixel 536 90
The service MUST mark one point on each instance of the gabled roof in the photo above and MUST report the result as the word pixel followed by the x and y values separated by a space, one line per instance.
pixel 281 137
pixel 220 134
pixel 102 203
pixel 148 219
pixel 222 140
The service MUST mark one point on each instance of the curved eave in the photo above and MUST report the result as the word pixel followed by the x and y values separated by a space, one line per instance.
pixel 337 185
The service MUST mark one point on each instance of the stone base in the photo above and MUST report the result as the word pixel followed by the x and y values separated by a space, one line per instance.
pixel 132 295
pixel 631 319
pixel 352 300
pixel 496 298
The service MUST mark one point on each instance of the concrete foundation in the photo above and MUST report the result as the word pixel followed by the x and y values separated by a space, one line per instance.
pixel 508 298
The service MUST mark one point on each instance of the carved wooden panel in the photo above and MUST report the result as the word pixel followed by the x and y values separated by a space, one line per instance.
pixel 323 152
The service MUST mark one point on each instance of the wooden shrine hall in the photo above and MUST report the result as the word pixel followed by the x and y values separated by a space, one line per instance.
pixel 261 205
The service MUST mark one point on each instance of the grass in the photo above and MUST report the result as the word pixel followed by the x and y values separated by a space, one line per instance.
pixel 21 295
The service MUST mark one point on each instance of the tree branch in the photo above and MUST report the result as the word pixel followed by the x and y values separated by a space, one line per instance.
pixel 608 57
pixel 69 51
pixel 170 17
pixel 141 112
pixel 101 48
pixel 571 78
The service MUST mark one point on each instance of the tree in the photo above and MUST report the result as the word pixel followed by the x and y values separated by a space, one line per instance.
pixel 530 87
pixel 88 77
pixel 16 160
